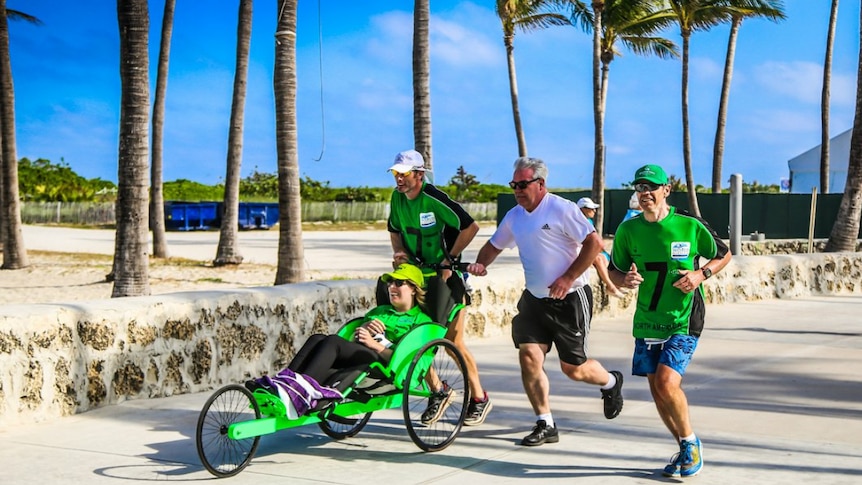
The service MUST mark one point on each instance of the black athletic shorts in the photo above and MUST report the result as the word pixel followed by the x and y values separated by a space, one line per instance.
pixel 564 323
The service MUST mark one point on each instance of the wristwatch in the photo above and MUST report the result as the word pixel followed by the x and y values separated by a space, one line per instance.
pixel 706 272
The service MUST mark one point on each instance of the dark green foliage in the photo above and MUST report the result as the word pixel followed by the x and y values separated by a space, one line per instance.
pixel 465 185
pixel 189 191
pixel 43 181
pixel 259 185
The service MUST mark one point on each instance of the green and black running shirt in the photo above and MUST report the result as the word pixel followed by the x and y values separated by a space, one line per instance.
pixel 428 225
pixel 660 250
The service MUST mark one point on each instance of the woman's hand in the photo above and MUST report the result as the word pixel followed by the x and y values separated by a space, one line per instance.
pixel 375 326
pixel 371 335
pixel 366 338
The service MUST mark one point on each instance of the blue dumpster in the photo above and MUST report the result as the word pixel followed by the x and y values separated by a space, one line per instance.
pixel 191 216
pixel 257 215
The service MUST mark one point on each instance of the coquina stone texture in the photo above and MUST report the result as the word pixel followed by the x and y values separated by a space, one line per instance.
pixel 62 359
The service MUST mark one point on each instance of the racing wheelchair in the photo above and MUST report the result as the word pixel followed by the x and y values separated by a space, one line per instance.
pixel 233 419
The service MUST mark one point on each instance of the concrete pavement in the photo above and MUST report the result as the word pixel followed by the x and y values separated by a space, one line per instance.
pixel 774 389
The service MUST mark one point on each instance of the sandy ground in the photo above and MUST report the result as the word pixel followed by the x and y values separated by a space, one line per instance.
pixel 64 277
pixel 68 264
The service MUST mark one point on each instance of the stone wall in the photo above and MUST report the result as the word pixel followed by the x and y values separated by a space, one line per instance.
pixel 62 359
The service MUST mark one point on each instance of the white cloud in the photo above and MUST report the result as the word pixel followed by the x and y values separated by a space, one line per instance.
pixel 458 45
pixel 802 81
pixel 452 41
pixel 706 68
pixel 781 122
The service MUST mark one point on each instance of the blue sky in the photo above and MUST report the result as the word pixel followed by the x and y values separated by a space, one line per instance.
pixel 67 88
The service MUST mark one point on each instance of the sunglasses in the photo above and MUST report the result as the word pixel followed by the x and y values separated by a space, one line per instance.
pixel 646 187
pixel 521 185
pixel 396 173
pixel 397 283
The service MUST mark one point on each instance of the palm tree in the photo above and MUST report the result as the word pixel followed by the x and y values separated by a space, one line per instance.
pixel 290 252
pixel 422 82
pixel 824 100
pixel 845 231
pixel 228 251
pixel 692 15
pixel 11 235
pixel 157 196
pixel 771 9
pixel 131 264
pixel 527 16
pixel 632 23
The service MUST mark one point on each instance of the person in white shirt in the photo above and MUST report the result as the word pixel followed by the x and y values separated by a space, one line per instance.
pixel 603 259
pixel 557 245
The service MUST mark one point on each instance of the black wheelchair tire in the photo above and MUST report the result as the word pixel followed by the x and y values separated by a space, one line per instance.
pixel 450 367
pixel 219 454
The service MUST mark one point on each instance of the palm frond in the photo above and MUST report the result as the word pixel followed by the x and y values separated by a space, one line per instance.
pixel 16 15
pixel 541 21
pixel 657 46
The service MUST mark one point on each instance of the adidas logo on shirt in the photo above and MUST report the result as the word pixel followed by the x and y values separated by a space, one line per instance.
pixel 546 227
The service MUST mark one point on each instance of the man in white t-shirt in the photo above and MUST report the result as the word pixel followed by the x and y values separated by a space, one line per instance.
pixel 557 245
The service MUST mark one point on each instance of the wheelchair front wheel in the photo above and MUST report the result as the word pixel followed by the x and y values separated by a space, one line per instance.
pixel 221 455
pixel 341 427
pixel 437 363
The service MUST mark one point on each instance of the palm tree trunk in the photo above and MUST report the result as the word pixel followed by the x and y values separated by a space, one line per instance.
pixel 290 268
pixel 845 231
pixel 131 263
pixel 686 132
pixel 157 195
pixel 422 82
pixel 599 118
pixel 2 196
pixel 11 235
pixel 824 101
pixel 228 246
pixel 718 147
pixel 509 41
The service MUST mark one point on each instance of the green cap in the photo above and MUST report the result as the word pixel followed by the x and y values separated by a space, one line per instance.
pixel 406 272
pixel 651 173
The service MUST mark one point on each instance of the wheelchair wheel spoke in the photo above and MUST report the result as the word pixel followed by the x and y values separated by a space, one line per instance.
pixel 221 455
pixel 433 422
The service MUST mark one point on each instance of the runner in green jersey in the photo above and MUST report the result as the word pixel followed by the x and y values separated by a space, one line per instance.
pixel 659 252
pixel 429 229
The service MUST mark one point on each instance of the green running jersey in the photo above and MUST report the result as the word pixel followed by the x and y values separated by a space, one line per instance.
pixel 397 324
pixel 428 225
pixel 660 250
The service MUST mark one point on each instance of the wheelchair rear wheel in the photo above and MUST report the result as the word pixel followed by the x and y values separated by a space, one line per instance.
pixel 221 455
pixel 340 427
pixel 439 362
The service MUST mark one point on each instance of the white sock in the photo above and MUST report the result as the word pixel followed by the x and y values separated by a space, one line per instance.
pixel 547 418
pixel 690 438
pixel 612 381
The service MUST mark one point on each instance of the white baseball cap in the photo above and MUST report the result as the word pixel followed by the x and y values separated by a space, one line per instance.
pixel 587 202
pixel 408 160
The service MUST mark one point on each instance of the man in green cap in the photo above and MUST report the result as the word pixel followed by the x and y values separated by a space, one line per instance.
pixel 659 251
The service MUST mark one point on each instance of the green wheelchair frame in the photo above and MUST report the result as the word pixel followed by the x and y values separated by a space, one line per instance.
pixel 233 419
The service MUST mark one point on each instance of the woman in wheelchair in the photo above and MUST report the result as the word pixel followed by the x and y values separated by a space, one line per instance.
pixel 323 355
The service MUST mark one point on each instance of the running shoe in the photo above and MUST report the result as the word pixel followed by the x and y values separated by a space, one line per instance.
pixel 437 404
pixel 690 458
pixel 477 411
pixel 541 434
pixel 613 397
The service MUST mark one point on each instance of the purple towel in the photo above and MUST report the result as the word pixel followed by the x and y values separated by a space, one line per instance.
pixel 299 391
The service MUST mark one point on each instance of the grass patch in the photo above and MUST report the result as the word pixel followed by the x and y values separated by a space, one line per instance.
pixel 209 280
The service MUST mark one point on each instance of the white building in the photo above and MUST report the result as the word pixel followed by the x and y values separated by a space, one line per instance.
pixel 805 168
